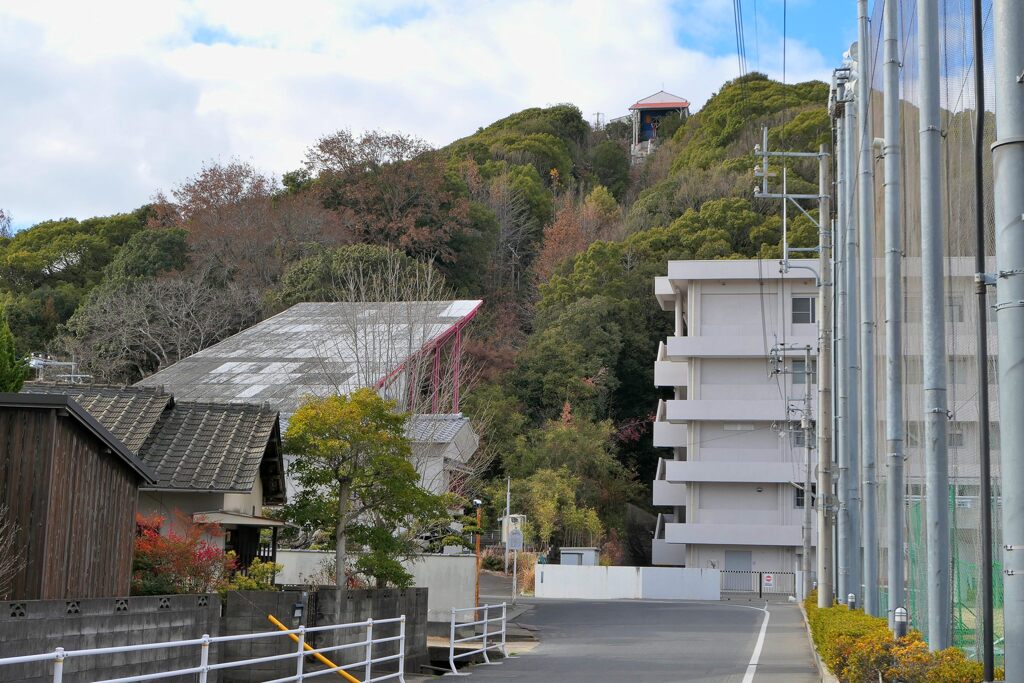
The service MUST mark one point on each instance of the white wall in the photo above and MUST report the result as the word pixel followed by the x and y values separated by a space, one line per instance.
pixel 450 580
pixel 626 583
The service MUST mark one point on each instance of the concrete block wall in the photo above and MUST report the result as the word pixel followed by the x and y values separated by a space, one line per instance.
pixel 36 626
pixel 246 612
pixel 360 605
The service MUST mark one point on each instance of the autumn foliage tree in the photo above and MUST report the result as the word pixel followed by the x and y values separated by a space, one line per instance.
pixel 391 189
pixel 183 560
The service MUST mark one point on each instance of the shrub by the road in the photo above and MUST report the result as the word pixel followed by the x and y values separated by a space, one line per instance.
pixel 859 648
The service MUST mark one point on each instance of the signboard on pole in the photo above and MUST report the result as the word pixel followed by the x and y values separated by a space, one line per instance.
pixel 769 581
pixel 515 539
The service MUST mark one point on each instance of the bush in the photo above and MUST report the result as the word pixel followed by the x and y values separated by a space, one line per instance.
pixel 178 562
pixel 859 648
pixel 258 577
pixel 493 560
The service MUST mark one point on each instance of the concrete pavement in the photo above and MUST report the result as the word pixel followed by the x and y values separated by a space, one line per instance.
pixel 658 642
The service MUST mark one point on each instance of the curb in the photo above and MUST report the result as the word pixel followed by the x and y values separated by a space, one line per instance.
pixel 826 675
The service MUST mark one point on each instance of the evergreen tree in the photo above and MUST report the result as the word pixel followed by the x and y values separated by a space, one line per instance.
pixel 13 370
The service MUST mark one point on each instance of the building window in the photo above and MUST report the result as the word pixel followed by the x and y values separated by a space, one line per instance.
pixel 800 373
pixel 955 435
pixel 993 436
pixel 738 427
pixel 914 433
pixel 955 308
pixel 798 436
pixel 804 310
pixel 799 499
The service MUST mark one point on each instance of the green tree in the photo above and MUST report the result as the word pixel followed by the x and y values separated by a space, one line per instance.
pixel 149 253
pixel 13 370
pixel 610 162
pixel 356 481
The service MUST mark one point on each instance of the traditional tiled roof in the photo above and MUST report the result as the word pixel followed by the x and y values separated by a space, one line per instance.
pixel 190 446
pixel 130 413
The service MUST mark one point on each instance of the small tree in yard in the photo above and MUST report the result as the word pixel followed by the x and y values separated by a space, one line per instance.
pixel 357 483
pixel 13 370
pixel 182 561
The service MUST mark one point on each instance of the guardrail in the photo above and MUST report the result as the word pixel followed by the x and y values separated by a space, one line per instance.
pixel 486 635
pixel 204 667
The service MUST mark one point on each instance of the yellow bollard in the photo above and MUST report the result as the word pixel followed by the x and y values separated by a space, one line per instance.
pixel 323 660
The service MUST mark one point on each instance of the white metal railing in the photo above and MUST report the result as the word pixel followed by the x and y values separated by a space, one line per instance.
pixel 482 638
pixel 204 667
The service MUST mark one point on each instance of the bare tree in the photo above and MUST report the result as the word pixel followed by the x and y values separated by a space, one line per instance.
pixel 11 555
pixel 5 224
pixel 137 327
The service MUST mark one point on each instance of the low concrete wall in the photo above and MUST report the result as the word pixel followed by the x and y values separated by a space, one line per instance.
pixel 451 579
pixel 36 626
pixel 627 583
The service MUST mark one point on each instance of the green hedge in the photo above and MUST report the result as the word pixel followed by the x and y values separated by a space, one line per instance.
pixel 859 648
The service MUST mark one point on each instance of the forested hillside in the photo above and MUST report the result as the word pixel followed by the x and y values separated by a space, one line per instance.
pixel 538 214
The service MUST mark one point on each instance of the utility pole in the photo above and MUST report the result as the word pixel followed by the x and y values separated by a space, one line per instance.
pixel 507 525
pixel 1008 162
pixel 823 279
pixel 893 311
pixel 866 223
pixel 805 424
pixel 933 297
pixel 824 383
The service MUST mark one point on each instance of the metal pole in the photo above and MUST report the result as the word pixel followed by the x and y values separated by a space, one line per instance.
pixel 933 297
pixel 984 447
pixel 204 658
pixel 893 312
pixel 852 357
pixel 479 521
pixel 401 650
pixel 824 382
pixel 368 674
pixel 515 574
pixel 301 640
pixel 487 616
pixel 866 223
pixel 842 399
pixel 1008 163
pixel 58 666
pixel 508 509
pixel 805 424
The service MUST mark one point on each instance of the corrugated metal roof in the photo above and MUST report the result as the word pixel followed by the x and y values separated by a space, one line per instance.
pixel 316 349
pixel 435 428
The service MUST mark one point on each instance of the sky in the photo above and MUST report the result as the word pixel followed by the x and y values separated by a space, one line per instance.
pixel 106 102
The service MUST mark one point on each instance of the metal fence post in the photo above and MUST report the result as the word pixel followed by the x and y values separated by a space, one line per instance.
pixel 760 584
pixel 451 645
pixel 369 650
pixel 204 657
pixel 58 665
pixel 302 646
pixel 487 609
pixel 401 650
pixel 504 627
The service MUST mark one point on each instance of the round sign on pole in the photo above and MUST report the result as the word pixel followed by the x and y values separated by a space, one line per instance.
pixel 769 580
pixel 515 539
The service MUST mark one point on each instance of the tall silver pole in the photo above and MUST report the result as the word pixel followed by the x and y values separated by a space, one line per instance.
pixel 866 224
pixel 852 355
pixel 893 310
pixel 1008 162
pixel 933 297
pixel 842 400
pixel 824 380
pixel 805 425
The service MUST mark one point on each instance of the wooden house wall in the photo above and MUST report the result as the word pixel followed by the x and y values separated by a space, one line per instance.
pixel 81 507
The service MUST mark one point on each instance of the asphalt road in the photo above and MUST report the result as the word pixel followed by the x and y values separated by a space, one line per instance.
pixel 658 642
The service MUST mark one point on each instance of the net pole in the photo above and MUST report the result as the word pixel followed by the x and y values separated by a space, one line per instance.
pixel 893 310
pixel 940 613
pixel 1008 164
pixel 984 450
pixel 866 228
pixel 824 383
pixel 842 401
pixel 852 356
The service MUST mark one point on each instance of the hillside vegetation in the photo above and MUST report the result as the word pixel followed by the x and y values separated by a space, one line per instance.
pixel 538 214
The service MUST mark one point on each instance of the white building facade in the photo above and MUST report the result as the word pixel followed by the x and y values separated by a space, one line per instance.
pixel 731 482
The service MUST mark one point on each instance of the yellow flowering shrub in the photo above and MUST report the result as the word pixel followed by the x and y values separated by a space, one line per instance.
pixel 859 648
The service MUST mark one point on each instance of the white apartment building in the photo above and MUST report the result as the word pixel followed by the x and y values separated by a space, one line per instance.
pixel 731 479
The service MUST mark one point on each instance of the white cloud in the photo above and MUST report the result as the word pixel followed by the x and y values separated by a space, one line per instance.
pixel 106 102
